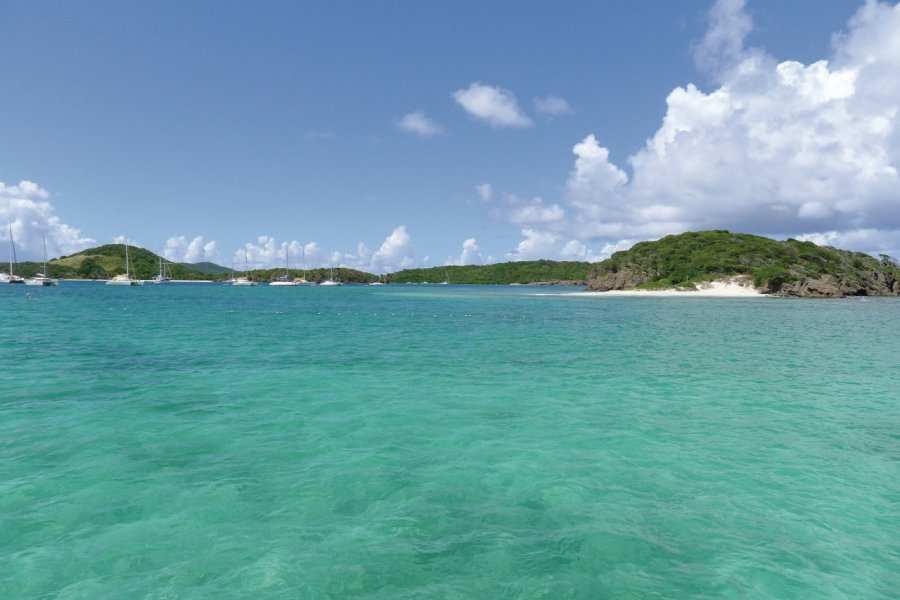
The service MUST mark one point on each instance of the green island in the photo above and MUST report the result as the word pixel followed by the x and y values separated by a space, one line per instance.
pixel 684 262
pixel 107 261
pixel 521 272
pixel 785 268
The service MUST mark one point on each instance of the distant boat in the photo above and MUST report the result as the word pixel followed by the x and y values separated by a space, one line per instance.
pixel 285 280
pixel 380 276
pixel 164 275
pixel 11 277
pixel 446 280
pixel 126 278
pixel 42 278
pixel 331 280
pixel 246 280
pixel 230 281
pixel 303 280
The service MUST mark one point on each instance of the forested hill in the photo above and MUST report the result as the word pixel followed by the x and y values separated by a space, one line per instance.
pixel 790 268
pixel 532 271
pixel 104 262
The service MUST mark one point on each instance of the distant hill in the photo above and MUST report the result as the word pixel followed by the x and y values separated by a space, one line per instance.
pixel 524 272
pixel 788 268
pixel 104 262
pixel 207 267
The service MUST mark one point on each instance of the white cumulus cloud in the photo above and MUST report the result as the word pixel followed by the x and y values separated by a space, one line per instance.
pixel 470 254
pixel 723 44
pixel 26 209
pixel 268 253
pixel 493 105
pixel 180 249
pixel 535 245
pixel 396 252
pixel 417 123
pixel 776 148
pixel 534 212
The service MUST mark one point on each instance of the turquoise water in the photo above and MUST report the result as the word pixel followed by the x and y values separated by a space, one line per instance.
pixel 199 441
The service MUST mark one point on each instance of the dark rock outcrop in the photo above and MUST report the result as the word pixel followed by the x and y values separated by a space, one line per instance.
pixel 866 283
pixel 625 279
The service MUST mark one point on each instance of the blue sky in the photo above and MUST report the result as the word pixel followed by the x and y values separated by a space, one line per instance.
pixel 387 134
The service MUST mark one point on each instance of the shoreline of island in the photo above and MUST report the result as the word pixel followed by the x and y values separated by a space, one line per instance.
pixel 730 288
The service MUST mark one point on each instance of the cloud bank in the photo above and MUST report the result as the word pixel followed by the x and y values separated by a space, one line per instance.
pixel 777 148
pixel 179 249
pixel 27 209
pixel 396 252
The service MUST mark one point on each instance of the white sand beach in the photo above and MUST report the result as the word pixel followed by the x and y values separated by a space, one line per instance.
pixel 729 288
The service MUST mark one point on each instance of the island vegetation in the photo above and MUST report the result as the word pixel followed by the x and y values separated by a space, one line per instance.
pixel 107 261
pixel 684 261
pixel 519 272
pixel 789 268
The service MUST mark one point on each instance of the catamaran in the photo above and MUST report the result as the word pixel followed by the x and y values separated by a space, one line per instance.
pixel 11 277
pixel 42 278
pixel 126 278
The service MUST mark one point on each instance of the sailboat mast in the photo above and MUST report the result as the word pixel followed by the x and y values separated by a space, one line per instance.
pixel 127 268
pixel 44 242
pixel 12 252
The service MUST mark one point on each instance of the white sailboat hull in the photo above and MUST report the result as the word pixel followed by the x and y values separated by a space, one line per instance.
pixel 124 281
pixel 42 281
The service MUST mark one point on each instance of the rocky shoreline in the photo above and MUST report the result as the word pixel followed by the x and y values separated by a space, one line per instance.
pixel 870 283
pixel 790 268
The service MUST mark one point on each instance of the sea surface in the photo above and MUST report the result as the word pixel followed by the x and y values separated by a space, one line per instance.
pixel 203 441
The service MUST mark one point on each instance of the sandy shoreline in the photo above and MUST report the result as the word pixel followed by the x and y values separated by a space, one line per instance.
pixel 714 289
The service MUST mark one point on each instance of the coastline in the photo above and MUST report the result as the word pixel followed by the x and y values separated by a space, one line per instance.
pixel 714 289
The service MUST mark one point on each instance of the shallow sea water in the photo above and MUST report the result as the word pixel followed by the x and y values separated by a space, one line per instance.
pixel 200 441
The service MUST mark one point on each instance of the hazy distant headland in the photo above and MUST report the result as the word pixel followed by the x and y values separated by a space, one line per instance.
pixel 683 262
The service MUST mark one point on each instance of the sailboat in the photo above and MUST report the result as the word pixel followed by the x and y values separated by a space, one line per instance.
pixel 379 280
pixel 331 280
pixel 42 278
pixel 126 278
pixel 246 279
pixel 285 280
pixel 11 277
pixel 164 275
pixel 303 280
